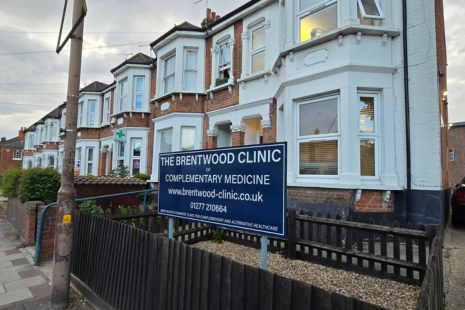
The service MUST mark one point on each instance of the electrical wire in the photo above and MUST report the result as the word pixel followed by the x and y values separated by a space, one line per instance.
pixel 29 105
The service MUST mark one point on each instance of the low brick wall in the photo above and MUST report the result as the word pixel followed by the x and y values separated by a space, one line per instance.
pixel 22 217
pixel 48 233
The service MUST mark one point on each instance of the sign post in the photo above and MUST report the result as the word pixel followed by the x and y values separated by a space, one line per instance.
pixel 240 188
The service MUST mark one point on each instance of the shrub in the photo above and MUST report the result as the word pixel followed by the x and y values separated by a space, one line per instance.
pixel 10 182
pixel 39 184
pixel 142 176
pixel 121 171
pixel 90 206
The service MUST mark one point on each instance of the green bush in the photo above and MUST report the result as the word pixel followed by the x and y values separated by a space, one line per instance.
pixel 10 182
pixel 39 184
pixel 121 171
pixel 90 206
pixel 142 176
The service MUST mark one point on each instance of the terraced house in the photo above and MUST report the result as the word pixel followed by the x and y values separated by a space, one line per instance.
pixel 355 87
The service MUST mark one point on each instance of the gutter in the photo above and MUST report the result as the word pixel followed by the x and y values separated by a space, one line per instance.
pixel 408 196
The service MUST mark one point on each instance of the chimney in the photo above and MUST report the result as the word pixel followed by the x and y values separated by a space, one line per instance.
pixel 217 17
pixel 21 133
pixel 209 13
pixel 213 16
pixel 3 139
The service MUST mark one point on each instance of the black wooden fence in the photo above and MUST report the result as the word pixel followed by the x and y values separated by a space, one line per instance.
pixel 133 269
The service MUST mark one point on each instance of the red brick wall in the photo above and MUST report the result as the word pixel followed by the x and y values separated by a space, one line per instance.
pixel 457 142
pixel 22 217
pixel 372 201
pixel 48 233
pixel 6 159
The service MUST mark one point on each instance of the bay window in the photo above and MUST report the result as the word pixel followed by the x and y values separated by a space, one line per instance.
pixel 169 74
pixel 80 114
pixel 123 94
pixel 190 70
pixel 106 111
pixel 257 50
pixel 166 140
pixel 92 112
pixel 368 134
pixel 138 93
pixel 316 17
pixel 318 136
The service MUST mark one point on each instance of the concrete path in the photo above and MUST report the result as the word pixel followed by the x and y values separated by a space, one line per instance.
pixel 454 267
pixel 21 284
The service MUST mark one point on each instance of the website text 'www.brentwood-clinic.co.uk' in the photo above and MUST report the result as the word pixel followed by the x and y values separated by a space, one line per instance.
pixel 241 187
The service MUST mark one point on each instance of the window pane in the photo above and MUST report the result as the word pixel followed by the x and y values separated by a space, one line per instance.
pixel 191 60
pixel 370 7
pixel 258 62
pixel 367 114
pixel 54 131
pixel 187 138
pixel 124 88
pixel 305 4
pixel 121 149
pixel 318 158
pixel 225 54
pixel 166 140
pixel 318 118
pixel 92 106
pixel 138 102
pixel 136 146
pixel 169 83
pixel 139 85
pixel 258 38
pixel 169 66
pixel 29 163
pixel 135 166
pixel 51 161
pixel 92 119
pixel 89 168
pixel 451 154
pixel 317 23
pixel 191 80
pixel 90 154
pixel 364 21
pixel 367 157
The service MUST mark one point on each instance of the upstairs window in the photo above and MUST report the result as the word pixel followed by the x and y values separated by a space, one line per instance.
pixel 169 74
pixel 369 12
pixel 30 141
pixel 106 111
pixel 224 61
pixel 451 154
pixel 123 94
pixel 316 17
pixel 80 113
pixel 368 134
pixel 92 112
pixel 42 135
pixel 54 131
pixel 17 154
pixel 138 93
pixel 190 70
pixel 257 50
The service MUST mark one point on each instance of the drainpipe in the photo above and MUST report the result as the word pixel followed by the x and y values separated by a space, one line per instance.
pixel 408 196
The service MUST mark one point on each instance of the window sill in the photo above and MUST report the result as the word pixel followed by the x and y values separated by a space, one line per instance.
pixel 126 112
pixel 334 184
pixel 220 87
pixel 17 159
pixel 255 76
pixel 174 93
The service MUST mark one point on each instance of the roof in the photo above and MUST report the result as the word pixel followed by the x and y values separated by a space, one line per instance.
pixel 138 59
pixel 185 26
pixel 234 12
pixel 94 87
pixel 15 142
pixel 81 180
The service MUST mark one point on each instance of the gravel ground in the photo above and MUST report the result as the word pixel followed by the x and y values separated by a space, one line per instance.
pixel 385 293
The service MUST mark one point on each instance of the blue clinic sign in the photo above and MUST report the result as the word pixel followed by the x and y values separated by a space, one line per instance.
pixel 241 188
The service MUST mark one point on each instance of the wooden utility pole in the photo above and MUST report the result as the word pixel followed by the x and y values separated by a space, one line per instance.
pixel 66 194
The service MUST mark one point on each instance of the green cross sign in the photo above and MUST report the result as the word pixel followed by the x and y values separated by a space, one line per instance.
pixel 120 134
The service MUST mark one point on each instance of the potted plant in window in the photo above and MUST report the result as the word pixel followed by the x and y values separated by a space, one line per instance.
pixel 221 81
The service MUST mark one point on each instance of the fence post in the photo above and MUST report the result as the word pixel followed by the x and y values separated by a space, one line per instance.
pixel 291 232
pixel 433 231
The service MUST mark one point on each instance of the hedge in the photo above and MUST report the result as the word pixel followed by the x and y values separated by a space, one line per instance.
pixel 10 182
pixel 39 184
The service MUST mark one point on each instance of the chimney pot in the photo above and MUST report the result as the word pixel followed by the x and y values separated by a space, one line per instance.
pixel 214 16
pixel 218 17
pixel 209 13
pixel 3 139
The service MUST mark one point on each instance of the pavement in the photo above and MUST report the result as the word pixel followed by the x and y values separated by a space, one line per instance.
pixel 22 286
pixel 454 267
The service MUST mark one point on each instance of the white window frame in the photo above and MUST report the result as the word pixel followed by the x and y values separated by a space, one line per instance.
pixel 15 155
pixel 133 157
pixel 89 161
pixel 173 74
pixel 226 65
pixel 136 93
pixel 451 154
pixel 258 50
pixel 181 137
pixel 122 96
pixel 118 147
pixel 185 70
pixel 48 161
pixel 106 111
pixel 367 135
pixel 318 138
pixel 78 159
pixel 94 113
pixel 311 10
pixel 366 16
pixel 51 137
pixel 81 114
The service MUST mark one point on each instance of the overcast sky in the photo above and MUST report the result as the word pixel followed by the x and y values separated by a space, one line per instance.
pixel 33 77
